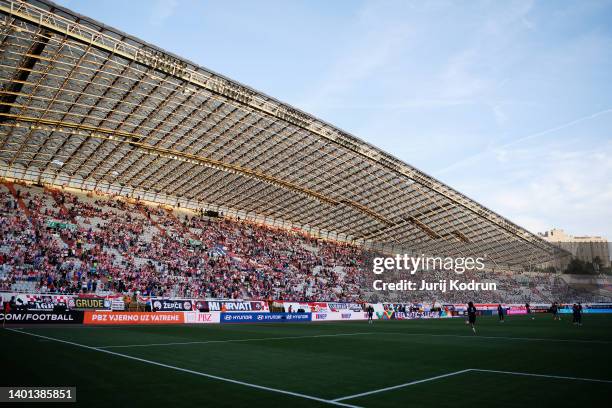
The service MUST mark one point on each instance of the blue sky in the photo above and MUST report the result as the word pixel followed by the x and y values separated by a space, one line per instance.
pixel 509 102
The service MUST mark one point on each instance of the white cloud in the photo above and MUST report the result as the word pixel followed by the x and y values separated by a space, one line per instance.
pixel 515 141
pixel 374 50
pixel 545 189
pixel 458 79
pixel 500 115
pixel 162 10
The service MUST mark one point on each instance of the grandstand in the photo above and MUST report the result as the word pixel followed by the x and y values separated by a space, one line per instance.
pixel 88 107
pixel 103 244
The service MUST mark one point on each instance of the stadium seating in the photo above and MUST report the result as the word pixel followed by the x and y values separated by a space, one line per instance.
pixel 75 243
pixel 55 241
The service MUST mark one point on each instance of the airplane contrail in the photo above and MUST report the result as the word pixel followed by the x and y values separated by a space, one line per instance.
pixel 522 139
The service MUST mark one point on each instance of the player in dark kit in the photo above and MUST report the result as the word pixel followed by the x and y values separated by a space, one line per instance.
pixel 577 312
pixel 370 310
pixel 554 309
pixel 528 309
pixel 500 313
pixel 574 313
pixel 471 311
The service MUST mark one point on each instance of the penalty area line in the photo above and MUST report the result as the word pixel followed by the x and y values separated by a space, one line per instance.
pixel 558 377
pixel 467 370
pixel 185 370
pixel 394 387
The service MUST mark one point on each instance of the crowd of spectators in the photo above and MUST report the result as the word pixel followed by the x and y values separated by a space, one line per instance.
pixel 55 241
pixel 71 243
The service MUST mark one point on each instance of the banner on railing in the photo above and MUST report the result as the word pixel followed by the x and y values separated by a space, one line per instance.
pixel 172 305
pixel 89 303
pixel 318 307
pixel 43 305
pixel 234 306
pixel 36 301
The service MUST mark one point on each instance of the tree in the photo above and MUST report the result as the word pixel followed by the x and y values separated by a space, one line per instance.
pixel 577 267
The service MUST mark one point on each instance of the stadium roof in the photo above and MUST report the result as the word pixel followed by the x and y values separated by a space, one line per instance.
pixel 86 105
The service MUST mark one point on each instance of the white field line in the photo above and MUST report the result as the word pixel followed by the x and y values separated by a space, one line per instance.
pixel 472 336
pixel 559 377
pixel 185 370
pixel 237 340
pixel 394 387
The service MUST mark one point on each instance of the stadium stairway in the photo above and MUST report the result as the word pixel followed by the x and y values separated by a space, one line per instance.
pixel 56 196
pixel 184 230
pixel 144 212
pixel 11 187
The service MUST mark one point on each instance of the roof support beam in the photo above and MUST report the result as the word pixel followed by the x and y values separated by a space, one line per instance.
pixel 12 90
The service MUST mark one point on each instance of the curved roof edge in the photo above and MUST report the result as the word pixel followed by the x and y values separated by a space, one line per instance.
pixel 62 20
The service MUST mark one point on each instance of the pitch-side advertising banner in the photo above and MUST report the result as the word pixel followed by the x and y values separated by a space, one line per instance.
pixel 202 318
pixel 134 318
pixel 588 308
pixel 416 315
pixel 42 317
pixel 409 315
pixel 265 317
pixel 335 316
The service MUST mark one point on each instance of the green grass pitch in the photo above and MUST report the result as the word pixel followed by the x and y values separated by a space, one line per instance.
pixel 415 363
